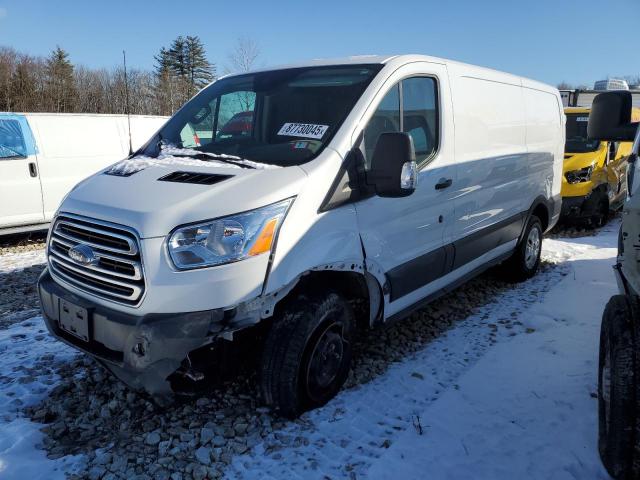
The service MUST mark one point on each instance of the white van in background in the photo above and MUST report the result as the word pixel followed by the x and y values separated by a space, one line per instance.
pixel 43 155
pixel 289 204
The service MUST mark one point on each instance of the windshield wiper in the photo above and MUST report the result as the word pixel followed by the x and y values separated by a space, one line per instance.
pixel 213 156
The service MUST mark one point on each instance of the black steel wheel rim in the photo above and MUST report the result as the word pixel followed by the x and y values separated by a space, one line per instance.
pixel 325 361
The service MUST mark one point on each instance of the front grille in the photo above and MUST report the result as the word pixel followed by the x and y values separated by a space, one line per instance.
pixel 115 274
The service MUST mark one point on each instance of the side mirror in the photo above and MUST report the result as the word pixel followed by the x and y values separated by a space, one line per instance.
pixel 394 172
pixel 610 118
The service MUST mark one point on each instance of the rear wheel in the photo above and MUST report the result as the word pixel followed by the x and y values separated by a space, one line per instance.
pixel 307 353
pixel 617 390
pixel 524 262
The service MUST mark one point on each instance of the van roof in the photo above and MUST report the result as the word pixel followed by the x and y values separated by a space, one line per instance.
pixel 404 59
pixel 55 114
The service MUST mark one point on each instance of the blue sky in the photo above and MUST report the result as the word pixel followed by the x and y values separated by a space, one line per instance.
pixel 578 41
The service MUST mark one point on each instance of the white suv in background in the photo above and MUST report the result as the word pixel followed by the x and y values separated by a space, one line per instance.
pixel 275 202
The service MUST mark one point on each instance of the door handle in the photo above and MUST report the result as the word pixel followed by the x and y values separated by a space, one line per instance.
pixel 443 183
pixel 33 170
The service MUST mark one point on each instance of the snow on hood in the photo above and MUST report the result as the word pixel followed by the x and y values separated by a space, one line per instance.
pixel 153 208
pixel 172 156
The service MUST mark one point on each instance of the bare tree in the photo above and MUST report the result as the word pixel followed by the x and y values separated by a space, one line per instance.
pixel 244 55
pixel 632 79
pixel 243 59
pixel 8 60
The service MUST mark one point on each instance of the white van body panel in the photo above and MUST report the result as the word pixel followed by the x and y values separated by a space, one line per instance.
pixel 67 149
pixel 74 146
pixel 312 240
pixel 491 149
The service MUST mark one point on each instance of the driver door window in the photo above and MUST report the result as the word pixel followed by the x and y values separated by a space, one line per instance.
pixel 420 115
pixel 385 119
pixel 411 107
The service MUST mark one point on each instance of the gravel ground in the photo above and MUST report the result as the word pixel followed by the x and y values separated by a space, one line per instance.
pixel 576 230
pixel 124 435
pixel 22 242
pixel 21 262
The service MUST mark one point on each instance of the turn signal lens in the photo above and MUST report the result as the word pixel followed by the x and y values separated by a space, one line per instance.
pixel 265 239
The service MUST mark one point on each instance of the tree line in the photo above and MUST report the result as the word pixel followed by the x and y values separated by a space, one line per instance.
pixel 54 84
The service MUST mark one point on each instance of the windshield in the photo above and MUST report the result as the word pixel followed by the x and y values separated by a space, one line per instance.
pixel 577 141
pixel 280 117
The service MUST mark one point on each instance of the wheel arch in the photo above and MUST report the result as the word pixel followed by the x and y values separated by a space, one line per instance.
pixel 356 285
pixel 542 209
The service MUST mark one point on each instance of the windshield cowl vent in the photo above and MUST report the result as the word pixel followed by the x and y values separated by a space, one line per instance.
pixel 197 178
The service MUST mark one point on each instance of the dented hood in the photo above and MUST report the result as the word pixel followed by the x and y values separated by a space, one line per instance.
pixel 155 207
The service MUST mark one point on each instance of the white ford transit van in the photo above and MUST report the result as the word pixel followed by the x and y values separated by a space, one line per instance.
pixel 278 201
pixel 43 155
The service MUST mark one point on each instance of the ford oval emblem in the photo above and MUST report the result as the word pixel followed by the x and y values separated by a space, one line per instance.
pixel 83 255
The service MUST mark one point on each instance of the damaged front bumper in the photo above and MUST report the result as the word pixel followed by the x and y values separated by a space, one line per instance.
pixel 142 351
pixel 579 208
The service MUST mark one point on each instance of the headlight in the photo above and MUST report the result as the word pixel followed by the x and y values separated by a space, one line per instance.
pixel 579 176
pixel 227 239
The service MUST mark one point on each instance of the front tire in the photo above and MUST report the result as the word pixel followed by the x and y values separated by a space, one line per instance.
pixel 617 390
pixel 601 217
pixel 524 262
pixel 307 353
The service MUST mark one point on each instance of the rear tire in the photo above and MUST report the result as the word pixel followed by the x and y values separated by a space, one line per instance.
pixel 307 353
pixel 524 262
pixel 618 431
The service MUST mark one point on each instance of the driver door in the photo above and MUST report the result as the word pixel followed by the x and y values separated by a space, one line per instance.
pixel 407 239
pixel 20 188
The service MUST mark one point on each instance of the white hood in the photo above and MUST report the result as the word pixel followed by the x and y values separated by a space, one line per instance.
pixel 154 207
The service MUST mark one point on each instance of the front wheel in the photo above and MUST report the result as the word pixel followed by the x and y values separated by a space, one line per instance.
pixel 618 440
pixel 307 353
pixel 601 215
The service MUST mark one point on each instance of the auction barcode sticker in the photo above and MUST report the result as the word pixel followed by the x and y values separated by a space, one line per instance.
pixel 305 130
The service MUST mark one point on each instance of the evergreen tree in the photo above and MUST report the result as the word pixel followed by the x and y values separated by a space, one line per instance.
pixel 60 81
pixel 177 57
pixel 199 71
pixel 181 70
pixel 163 62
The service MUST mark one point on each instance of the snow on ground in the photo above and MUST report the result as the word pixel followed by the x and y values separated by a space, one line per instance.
pixel 528 408
pixel 19 260
pixel 524 408
pixel 29 356
pixel 515 403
